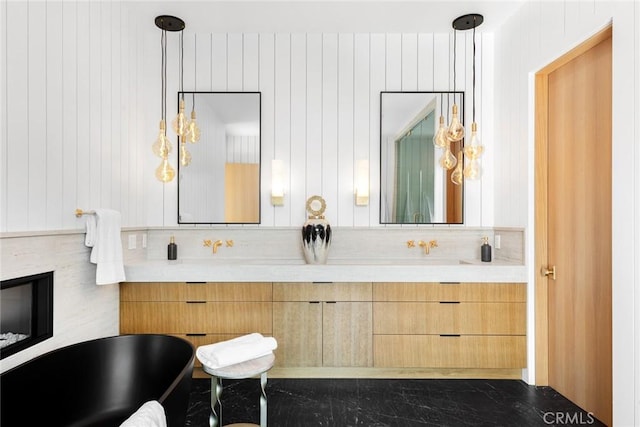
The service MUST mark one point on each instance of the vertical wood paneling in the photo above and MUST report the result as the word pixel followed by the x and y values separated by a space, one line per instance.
pixel 85 129
pixel 330 123
pixel 54 160
pixel 282 117
pixel 296 161
pixel 409 62
pixel 37 113
pixel 345 139
pixel 362 99
pixel 267 79
pixel 16 160
pixel 314 166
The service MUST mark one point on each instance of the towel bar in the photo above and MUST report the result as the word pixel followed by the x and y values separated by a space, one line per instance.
pixel 80 212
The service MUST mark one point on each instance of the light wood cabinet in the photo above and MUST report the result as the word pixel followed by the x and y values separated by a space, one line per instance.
pixel 449 325
pixel 323 324
pixel 202 313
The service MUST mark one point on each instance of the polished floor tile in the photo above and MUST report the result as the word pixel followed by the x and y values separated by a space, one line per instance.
pixel 393 403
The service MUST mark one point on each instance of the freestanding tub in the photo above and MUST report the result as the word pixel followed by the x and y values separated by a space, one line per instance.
pixel 99 382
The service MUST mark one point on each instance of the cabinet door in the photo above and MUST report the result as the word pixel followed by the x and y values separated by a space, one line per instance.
pixel 347 334
pixel 297 326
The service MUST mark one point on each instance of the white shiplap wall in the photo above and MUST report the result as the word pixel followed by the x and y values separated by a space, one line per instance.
pixel 83 105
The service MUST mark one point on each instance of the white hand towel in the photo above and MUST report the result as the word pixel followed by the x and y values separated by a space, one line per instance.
pixel 225 354
pixel 90 237
pixel 150 414
pixel 107 249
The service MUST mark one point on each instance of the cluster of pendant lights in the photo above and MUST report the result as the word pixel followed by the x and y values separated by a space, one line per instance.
pixel 187 130
pixel 455 132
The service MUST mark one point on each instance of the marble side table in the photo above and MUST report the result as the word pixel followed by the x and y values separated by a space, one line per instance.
pixel 249 369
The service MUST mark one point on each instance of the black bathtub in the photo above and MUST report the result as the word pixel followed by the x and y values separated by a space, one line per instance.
pixel 99 382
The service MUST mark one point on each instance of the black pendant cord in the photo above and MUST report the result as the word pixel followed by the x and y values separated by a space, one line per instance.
pixel 195 72
pixel 182 65
pixel 163 70
pixel 473 115
pixel 455 43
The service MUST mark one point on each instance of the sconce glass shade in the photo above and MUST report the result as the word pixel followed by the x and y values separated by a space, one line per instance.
pixel 440 138
pixel 165 171
pixel 180 123
pixel 474 149
pixel 185 155
pixel 455 132
pixel 162 147
pixel 193 131
pixel 457 174
pixel 448 160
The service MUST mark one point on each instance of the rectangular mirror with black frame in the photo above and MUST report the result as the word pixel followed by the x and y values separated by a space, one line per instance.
pixel 414 188
pixel 221 184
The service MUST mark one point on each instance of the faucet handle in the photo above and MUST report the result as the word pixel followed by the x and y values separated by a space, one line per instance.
pixel 229 243
pixel 207 243
pixel 411 243
pixel 433 243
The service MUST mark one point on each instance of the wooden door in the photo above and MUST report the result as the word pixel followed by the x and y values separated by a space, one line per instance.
pixel 578 225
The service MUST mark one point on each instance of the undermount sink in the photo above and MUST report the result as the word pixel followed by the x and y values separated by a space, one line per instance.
pixel 399 262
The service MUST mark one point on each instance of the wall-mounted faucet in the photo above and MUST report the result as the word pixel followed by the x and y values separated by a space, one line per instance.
pixel 215 245
pixel 428 245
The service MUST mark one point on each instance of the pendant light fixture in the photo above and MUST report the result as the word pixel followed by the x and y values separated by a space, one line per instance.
pixel 193 131
pixel 455 132
pixel 162 147
pixel 474 149
pixel 440 138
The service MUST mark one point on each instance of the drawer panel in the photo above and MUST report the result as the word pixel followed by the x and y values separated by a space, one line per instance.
pixel 449 318
pixel 196 291
pixel 434 351
pixel 206 317
pixel 472 292
pixel 335 291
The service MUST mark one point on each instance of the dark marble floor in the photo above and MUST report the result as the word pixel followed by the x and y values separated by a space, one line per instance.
pixel 397 403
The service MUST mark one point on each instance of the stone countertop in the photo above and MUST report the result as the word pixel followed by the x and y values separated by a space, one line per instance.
pixel 295 270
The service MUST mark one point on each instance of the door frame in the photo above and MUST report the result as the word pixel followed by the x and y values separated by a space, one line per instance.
pixel 541 180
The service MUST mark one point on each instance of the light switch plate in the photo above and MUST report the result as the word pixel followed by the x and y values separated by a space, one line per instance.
pixel 144 240
pixel 496 241
pixel 132 241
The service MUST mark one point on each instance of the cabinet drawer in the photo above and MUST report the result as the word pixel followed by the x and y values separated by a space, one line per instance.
pixel 335 291
pixel 205 317
pixel 434 351
pixel 484 318
pixel 196 291
pixel 473 292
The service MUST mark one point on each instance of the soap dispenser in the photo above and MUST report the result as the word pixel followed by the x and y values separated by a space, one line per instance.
pixel 485 250
pixel 172 249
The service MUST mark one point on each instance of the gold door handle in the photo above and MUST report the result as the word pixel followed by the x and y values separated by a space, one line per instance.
pixel 549 272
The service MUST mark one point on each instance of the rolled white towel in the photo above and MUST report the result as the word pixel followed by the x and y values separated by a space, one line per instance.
pixel 235 351
pixel 150 414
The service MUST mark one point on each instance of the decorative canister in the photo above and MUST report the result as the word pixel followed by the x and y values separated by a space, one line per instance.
pixel 316 232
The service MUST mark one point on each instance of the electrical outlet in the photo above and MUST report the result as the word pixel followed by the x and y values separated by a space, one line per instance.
pixel 132 241
pixel 144 240
pixel 496 241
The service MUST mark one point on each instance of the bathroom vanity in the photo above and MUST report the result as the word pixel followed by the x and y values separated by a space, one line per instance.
pixel 414 326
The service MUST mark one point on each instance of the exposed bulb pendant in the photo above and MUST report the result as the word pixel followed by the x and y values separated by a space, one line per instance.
pixel 440 139
pixel 180 123
pixel 185 155
pixel 165 171
pixel 455 132
pixel 193 131
pixel 162 147
pixel 474 149
pixel 448 160
pixel 457 174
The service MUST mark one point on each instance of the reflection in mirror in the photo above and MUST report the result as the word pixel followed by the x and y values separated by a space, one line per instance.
pixel 414 188
pixel 222 183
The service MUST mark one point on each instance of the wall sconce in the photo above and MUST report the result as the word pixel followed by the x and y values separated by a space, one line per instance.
pixel 362 183
pixel 277 183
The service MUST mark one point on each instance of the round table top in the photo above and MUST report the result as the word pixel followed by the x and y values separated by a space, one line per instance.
pixel 248 369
